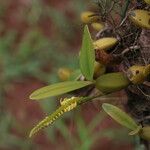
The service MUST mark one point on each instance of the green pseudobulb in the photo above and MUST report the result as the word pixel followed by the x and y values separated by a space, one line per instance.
pixel 112 82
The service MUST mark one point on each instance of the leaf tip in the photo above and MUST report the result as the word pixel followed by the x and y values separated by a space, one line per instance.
pixel 86 27
pixel 31 96
pixel 104 105
pixel 31 134
pixel 33 131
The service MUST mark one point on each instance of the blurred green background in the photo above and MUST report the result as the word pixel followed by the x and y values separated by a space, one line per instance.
pixel 36 38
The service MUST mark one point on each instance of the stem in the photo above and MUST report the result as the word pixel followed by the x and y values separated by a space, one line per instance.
pixel 86 99
pixel 125 9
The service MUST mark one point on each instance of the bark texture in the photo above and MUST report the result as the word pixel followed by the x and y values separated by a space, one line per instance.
pixel 138 96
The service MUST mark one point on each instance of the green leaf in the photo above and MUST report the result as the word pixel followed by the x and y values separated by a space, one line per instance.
pixel 75 75
pixel 136 131
pixel 58 89
pixel 120 116
pixel 87 55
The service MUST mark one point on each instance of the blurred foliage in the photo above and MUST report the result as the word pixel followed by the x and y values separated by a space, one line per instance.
pixel 35 54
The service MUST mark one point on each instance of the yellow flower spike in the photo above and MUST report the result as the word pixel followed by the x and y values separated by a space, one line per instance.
pixel 137 74
pixel 97 26
pixel 66 100
pixel 64 73
pixel 112 82
pixel 105 43
pixel 89 17
pixel 99 69
pixel 68 105
pixel 145 133
pixel 140 18
pixel 147 1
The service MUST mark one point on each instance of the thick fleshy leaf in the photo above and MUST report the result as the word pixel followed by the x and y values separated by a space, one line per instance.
pixel 58 89
pixel 87 55
pixel 120 116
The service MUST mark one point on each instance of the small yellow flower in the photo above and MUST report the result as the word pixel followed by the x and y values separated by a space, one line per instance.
pixel 71 106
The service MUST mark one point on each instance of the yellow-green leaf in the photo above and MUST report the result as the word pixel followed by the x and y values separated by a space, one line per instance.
pixel 120 116
pixel 58 89
pixel 87 55
pixel 136 131
pixel 75 75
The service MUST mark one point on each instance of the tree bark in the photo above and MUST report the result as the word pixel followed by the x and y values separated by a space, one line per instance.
pixel 138 96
